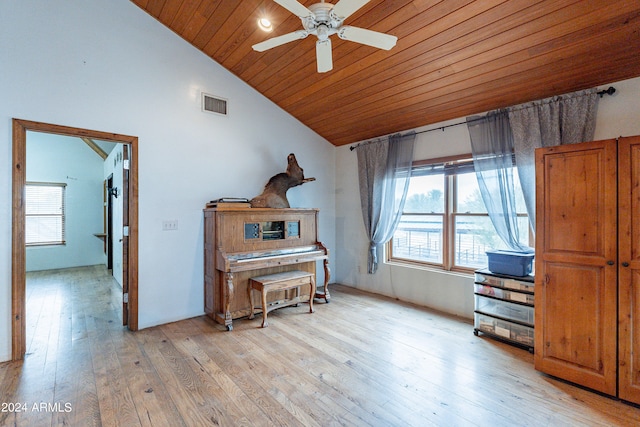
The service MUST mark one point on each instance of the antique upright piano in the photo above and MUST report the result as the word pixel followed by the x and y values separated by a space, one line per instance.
pixel 243 243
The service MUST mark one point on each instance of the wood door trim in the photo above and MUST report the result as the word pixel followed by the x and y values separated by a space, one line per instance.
pixel 18 255
pixel 125 236
pixel 18 251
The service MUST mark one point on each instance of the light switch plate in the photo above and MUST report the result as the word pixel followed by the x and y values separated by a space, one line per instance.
pixel 169 225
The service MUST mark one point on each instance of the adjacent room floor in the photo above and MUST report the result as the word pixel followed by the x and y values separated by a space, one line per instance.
pixel 362 360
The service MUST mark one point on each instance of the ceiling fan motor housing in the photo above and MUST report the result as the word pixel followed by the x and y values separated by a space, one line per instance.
pixel 323 23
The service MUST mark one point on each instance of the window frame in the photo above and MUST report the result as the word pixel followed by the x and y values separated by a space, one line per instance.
pixel 63 216
pixel 449 216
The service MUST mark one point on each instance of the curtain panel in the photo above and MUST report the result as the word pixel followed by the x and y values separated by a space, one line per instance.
pixel 384 171
pixel 492 149
pixel 564 119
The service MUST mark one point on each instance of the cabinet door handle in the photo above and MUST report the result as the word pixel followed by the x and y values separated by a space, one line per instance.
pixel 610 262
pixel 625 264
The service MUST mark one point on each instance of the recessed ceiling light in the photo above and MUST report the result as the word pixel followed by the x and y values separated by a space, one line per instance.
pixel 265 24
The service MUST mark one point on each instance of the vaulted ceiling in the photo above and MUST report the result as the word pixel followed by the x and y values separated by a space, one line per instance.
pixel 453 58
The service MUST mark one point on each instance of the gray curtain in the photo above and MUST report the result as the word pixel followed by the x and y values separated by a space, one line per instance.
pixel 492 149
pixel 384 170
pixel 564 119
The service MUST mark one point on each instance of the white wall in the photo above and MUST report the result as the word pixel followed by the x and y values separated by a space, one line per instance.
pixel 63 159
pixel 618 115
pixel 108 66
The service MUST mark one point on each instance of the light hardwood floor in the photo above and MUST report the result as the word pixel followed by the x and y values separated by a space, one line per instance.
pixel 362 360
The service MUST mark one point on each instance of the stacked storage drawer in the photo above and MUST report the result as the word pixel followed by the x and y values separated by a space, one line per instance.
pixel 504 307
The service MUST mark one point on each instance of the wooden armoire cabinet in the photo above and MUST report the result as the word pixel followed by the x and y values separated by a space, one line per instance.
pixel 587 318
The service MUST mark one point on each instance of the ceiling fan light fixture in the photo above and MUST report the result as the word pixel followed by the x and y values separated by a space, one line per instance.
pixel 323 32
pixel 265 25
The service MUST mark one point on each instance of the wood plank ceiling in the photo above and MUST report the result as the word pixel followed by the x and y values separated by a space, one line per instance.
pixel 453 57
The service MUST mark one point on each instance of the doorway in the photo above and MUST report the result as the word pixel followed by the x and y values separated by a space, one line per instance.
pixel 130 225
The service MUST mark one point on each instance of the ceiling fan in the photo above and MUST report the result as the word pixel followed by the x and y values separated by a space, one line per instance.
pixel 323 20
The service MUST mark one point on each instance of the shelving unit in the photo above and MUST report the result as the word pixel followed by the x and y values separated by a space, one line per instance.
pixel 504 307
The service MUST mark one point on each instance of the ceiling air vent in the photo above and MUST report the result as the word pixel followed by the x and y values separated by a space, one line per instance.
pixel 214 104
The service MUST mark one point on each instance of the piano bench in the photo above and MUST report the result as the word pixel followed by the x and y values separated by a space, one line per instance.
pixel 281 282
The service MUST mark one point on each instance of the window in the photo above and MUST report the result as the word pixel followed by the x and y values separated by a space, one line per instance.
pixel 44 214
pixel 444 223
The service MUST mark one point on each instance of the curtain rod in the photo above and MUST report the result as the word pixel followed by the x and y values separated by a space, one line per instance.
pixel 609 91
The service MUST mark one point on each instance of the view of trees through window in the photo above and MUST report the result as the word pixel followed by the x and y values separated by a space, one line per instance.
pixel 448 225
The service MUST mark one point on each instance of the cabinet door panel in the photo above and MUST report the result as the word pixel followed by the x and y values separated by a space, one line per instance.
pixel 574 294
pixel 629 268
pixel 576 275
pixel 573 208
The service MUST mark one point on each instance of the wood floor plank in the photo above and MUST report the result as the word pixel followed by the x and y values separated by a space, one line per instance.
pixel 286 384
pixel 152 400
pixel 232 394
pixel 375 390
pixel 363 360
pixel 237 366
pixel 186 388
pixel 323 394
pixel 292 336
pixel 296 361
pixel 4 368
pixel 422 366
pixel 76 383
pixel 210 393
pixel 9 391
pixel 116 404
pixel 83 395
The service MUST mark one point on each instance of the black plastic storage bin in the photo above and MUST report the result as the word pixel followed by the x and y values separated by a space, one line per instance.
pixel 510 262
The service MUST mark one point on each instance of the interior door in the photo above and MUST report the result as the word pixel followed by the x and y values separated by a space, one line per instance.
pixel 109 222
pixel 576 273
pixel 629 268
pixel 125 235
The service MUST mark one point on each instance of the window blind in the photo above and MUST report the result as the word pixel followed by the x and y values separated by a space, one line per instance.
pixel 45 214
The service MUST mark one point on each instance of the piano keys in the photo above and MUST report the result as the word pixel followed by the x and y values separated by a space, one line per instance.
pixel 244 243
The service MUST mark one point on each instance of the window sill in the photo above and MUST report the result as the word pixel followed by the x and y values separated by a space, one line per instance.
pixel 465 274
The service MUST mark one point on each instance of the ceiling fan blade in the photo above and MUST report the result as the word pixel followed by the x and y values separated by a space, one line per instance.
pixel 368 37
pixel 280 40
pixel 345 8
pixel 294 7
pixel 323 55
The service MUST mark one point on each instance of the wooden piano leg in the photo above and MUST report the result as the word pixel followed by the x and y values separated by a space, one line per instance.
pixel 312 291
pixel 264 309
pixel 251 306
pixel 228 321
pixel 325 287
